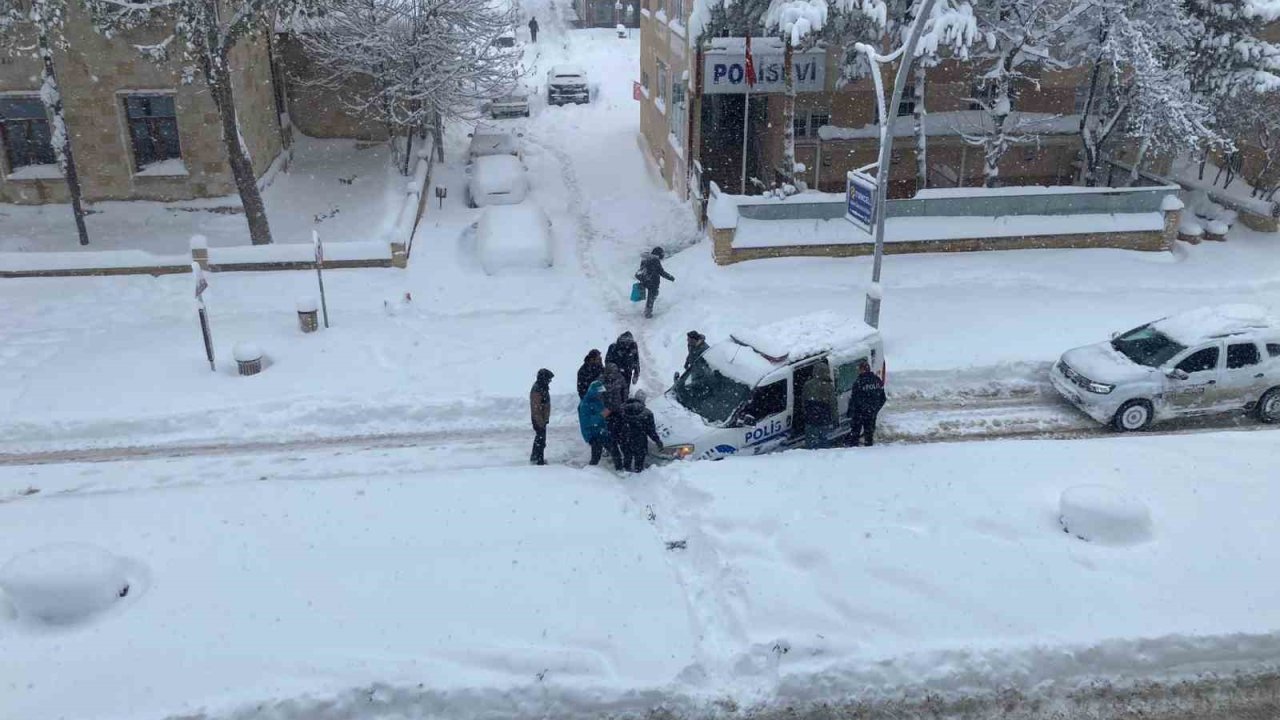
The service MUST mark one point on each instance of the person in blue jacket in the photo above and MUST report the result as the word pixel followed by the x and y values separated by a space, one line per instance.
pixel 595 429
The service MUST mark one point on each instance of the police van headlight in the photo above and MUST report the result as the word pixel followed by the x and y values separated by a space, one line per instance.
pixel 679 452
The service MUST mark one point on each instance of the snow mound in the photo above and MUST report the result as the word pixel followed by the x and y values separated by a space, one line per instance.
pixel 1217 227
pixel 64 583
pixel 1197 325
pixel 514 237
pixel 1191 228
pixel 722 211
pixel 805 335
pixel 1104 515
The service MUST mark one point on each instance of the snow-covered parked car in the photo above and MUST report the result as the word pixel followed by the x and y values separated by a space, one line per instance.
pixel 513 104
pixel 1206 361
pixel 488 141
pixel 514 238
pixel 496 180
pixel 567 84
pixel 740 397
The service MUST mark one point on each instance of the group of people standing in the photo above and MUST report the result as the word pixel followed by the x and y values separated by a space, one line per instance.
pixel 818 403
pixel 611 418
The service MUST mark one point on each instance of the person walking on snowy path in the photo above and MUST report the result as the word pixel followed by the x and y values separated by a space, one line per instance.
pixel 638 427
pixel 590 370
pixel 615 394
pixel 595 429
pixel 865 403
pixel 625 353
pixel 650 277
pixel 818 403
pixel 533 29
pixel 540 414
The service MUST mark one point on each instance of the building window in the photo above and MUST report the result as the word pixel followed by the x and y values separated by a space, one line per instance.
pixel 906 106
pixel 24 129
pixel 662 82
pixel 983 96
pixel 800 123
pixel 817 120
pixel 676 113
pixel 806 124
pixel 153 129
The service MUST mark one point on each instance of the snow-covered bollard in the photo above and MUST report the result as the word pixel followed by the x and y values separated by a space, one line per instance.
pixel 1216 230
pixel 1104 515
pixel 622 30
pixel 248 358
pixel 308 314
pixel 64 583
pixel 1191 231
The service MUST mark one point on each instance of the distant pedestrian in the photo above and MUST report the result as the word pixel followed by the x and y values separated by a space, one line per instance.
pixel 615 394
pixel 595 428
pixel 625 353
pixel 638 428
pixel 650 277
pixel 540 414
pixel 533 29
pixel 865 403
pixel 819 407
pixel 590 370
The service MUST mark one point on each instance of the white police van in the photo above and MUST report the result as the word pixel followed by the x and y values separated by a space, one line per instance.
pixel 740 397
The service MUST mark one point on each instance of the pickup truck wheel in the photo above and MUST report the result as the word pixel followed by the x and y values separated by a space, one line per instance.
pixel 1133 416
pixel 1269 406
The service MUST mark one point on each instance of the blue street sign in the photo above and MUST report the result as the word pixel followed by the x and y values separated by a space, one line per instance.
pixel 860 193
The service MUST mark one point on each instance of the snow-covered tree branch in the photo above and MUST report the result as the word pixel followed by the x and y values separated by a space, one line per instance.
pixel 34 28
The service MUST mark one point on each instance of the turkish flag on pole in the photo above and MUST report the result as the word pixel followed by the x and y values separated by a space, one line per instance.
pixel 751 66
pixel 635 91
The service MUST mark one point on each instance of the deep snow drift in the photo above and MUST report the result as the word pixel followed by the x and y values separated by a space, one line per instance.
pixel 802 577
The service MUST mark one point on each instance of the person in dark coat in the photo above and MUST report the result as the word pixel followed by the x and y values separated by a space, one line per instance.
pixel 590 370
pixel 533 29
pixel 615 394
pixel 650 277
pixel 818 403
pixel 864 405
pixel 638 427
pixel 595 429
pixel 625 353
pixel 697 344
pixel 540 414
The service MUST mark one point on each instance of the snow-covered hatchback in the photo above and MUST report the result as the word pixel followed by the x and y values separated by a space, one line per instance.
pixel 1206 361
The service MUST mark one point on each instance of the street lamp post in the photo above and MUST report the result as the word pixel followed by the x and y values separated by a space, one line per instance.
pixel 887 117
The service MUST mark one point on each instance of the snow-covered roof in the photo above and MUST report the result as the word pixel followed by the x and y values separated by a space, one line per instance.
pixel 566 70
pixel 1196 326
pixel 800 337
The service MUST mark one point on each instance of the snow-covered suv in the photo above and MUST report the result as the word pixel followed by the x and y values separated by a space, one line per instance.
pixel 567 83
pixel 1206 361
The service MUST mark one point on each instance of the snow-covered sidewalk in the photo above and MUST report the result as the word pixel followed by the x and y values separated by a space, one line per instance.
pixel 269 591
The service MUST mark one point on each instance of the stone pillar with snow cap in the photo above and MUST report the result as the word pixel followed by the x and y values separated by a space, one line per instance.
pixel 248 358
pixel 1171 206
pixel 200 251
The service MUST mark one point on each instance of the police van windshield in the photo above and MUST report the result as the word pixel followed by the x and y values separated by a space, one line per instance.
pixel 705 391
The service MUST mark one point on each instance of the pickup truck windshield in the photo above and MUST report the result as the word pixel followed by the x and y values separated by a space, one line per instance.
pixel 708 393
pixel 1147 346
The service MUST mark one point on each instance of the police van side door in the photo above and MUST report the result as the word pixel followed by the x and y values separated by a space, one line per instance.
pixel 765 421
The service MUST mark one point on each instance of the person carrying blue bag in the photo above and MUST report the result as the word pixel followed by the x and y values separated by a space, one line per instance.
pixel 649 277
pixel 595 429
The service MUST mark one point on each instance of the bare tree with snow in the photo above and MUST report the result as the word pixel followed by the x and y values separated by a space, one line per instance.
pixel 1139 85
pixel 415 63
pixel 34 28
pixel 207 31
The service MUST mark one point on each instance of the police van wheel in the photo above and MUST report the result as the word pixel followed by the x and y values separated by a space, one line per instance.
pixel 1133 416
pixel 1269 406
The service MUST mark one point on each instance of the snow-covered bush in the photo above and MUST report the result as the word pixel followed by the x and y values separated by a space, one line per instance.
pixel 1190 229
pixel 64 583
pixel 1104 515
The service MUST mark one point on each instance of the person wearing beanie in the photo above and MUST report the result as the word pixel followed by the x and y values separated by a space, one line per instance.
pixel 540 414
pixel 650 276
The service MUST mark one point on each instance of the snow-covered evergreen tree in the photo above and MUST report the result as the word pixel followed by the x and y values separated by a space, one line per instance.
pixel 414 63
pixel 34 28
pixel 1227 47
pixel 206 31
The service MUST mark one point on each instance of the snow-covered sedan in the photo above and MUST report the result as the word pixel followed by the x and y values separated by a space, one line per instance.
pixel 513 104
pixel 1206 361
pixel 567 84
pixel 496 180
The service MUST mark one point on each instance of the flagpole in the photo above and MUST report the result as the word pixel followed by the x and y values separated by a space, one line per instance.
pixel 746 119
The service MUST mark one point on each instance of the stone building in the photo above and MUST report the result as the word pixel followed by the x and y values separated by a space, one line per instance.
pixel 694 101
pixel 138 132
